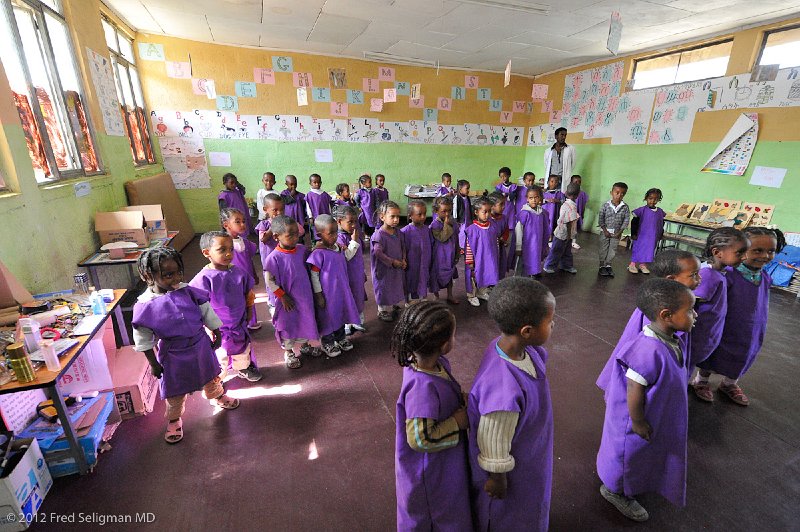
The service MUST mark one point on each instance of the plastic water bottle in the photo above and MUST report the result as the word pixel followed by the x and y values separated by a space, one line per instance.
pixel 49 355
pixel 98 305
pixel 30 330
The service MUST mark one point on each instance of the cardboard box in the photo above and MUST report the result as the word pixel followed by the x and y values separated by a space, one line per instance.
pixel 23 490
pixel 153 219
pixel 121 226
pixel 89 372
pixel 135 387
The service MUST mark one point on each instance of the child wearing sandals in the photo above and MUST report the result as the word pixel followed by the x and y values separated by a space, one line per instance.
pixel 288 280
pixel 347 218
pixel 532 233
pixel 445 252
pixel 232 221
pixel 648 228
pixel 644 443
pixel 169 326
pixel 746 317
pixel 510 413
pixel 479 244
pixel 431 472
pixel 388 258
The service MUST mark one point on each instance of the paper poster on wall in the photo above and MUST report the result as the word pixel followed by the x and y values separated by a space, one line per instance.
pixel 219 158
pixel 151 52
pixel 389 95
pixel 766 176
pixel 762 213
pixel 734 152
pixel 416 103
pixel 416 91
pixel 632 118
pixel 673 114
pixel 211 89
pixel 323 156
pixel 370 85
pixel 403 88
pixel 519 106
pixel 363 130
pixel 355 97
pixel 199 86
pixel 282 63
pixel 471 82
pixel 385 73
pixel 506 117
pixel 179 69
pixel 227 103
pixel 542 135
pixel 614 33
pixel 302 96
pixel 337 78
pixel 185 161
pixel 104 86
pixel 338 109
pixel 375 105
pixel 245 89
pixel 265 76
pixel 444 104
pixel 539 91
pixel 587 94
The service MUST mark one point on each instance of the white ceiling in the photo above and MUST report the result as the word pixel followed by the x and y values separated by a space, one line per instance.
pixel 454 33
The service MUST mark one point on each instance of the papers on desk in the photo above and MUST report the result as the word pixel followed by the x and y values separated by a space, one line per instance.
pixel 88 324
pixel 61 346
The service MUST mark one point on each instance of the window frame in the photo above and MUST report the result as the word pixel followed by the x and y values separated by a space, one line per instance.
pixel 765 38
pixel 39 9
pixel 679 53
pixel 117 59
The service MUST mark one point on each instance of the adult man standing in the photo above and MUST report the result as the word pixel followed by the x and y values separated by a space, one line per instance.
pixel 560 159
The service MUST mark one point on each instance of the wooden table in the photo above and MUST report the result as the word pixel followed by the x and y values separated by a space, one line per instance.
pixel 49 381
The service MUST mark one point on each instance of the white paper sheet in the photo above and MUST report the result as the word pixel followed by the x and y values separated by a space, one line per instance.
pixel 219 158
pixel 323 156
pixel 767 176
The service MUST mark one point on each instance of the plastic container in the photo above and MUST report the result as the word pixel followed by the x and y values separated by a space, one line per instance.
pixel 98 305
pixel 30 330
pixel 81 285
pixel 49 355
pixel 20 363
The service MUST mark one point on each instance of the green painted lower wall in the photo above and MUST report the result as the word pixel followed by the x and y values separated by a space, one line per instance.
pixel 675 169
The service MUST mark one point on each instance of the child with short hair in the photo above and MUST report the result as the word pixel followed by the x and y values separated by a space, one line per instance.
pixel 726 247
pixel 520 199
pixel 231 292
pixel 343 195
pixel 746 317
pixel 445 189
pixel 365 200
pixel 317 202
pixel 500 222
pixel 613 218
pixel 478 242
pixel 462 207
pixel 643 447
pixel 273 206
pixel 294 201
pixel 288 279
pixel 232 197
pixel 329 282
pixel 347 218
pixel 531 233
pixel 232 221
pixel 509 192
pixel 581 201
pixel 431 471
pixel 269 182
pixel 169 324
pixel 553 198
pixel 380 191
pixel 388 259
pixel 445 252
pixel 649 224
pixel 418 243
pixel 560 255
pixel 510 412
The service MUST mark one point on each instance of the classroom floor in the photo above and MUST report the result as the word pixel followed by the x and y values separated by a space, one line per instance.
pixel 314 448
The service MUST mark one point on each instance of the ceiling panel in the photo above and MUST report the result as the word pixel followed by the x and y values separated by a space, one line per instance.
pixel 336 29
pixel 244 10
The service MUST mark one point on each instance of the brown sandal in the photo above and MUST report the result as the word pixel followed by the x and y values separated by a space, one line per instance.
pixel 703 392
pixel 734 393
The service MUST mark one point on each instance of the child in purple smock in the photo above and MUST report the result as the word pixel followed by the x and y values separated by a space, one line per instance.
pixel 380 192
pixel 509 192
pixel 520 199
pixel 746 317
pixel 331 286
pixel 169 326
pixel 531 233
pixel 231 292
pixel 581 201
pixel 643 447
pixel 343 196
pixel 288 280
pixel 675 264
pixel 478 242
pixel 268 179
pixel 232 197
pixel 445 189
pixel 347 218
pixel 510 413
pixel 431 471
pixel 388 259
pixel 553 198
pixel 294 202
pixel 365 200
pixel 445 252
pixel 317 202
pixel 418 243
pixel 462 207
pixel 232 221
pixel 560 255
pixel 500 222
pixel 725 248
pixel 651 229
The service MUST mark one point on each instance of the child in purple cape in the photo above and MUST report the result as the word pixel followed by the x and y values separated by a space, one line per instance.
pixel 317 202
pixel 500 223
pixel 169 322
pixel 445 189
pixel 510 413
pixel 232 221
pixel 643 447
pixel 431 472
pixel 343 196
pixel 231 292
pixel 560 255
pixel 746 317
pixel 331 286
pixel 347 218
pixel 553 198
pixel 294 202
pixel 581 201
pixel 532 232
pixel 388 258
pixel 520 199
pixel 365 200
pixel 650 230
pixel 445 252
pixel 232 197
pixel 462 207
pixel 380 192
pixel 418 243
pixel 725 248
pixel 478 242
pixel 509 192
pixel 288 279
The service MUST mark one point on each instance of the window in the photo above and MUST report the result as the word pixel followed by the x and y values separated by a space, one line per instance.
pixel 781 47
pixel 129 91
pixel 39 61
pixel 708 61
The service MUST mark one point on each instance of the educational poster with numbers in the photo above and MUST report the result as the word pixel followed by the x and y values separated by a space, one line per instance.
pixel 673 114
pixel 586 98
pixel 633 118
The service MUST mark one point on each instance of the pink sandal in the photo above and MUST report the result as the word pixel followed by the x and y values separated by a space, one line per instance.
pixel 703 392
pixel 174 432
pixel 734 393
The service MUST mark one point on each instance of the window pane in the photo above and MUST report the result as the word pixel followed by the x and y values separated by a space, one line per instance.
pixel 782 48
pixel 125 85
pixel 126 48
pixel 137 87
pixel 703 63
pixel 656 71
pixel 111 35
pixel 62 50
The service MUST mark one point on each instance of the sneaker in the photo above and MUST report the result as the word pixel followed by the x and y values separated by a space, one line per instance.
pixel 474 301
pixel 643 269
pixel 255 327
pixel 309 351
pixel 548 270
pixel 484 296
pixel 633 269
pixel 609 271
pixel 331 350
pixel 573 271
pixel 292 361
pixel 250 373
pixel 603 271
pixel 348 330
pixel 358 327
pixel 628 506
pixel 386 316
pixel 575 245
pixel 345 345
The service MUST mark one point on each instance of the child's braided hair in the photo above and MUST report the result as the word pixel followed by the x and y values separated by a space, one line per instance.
pixel 424 327
pixel 150 261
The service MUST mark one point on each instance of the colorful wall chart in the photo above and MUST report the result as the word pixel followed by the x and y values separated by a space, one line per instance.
pixel 588 99
pixel 734 152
